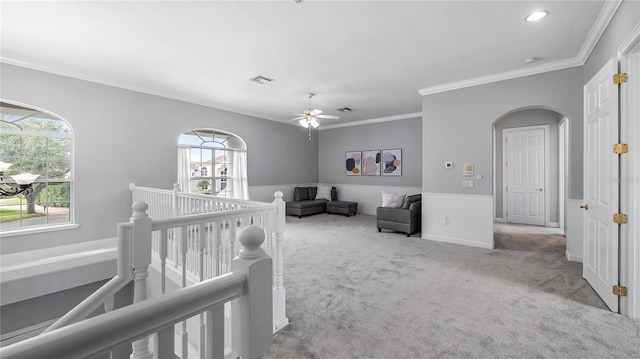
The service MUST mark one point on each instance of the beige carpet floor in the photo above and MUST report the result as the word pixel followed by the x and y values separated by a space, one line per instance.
pixel 355 293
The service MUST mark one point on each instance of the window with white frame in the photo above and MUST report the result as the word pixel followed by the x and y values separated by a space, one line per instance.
pixel 212 162
pixel 35 141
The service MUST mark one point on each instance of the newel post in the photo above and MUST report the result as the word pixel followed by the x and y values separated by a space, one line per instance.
pixel 141 259
pixel 280 319
pixel 252 313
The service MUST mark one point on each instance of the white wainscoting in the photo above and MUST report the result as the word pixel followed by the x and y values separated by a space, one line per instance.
pixel 369 197
pixel 265 193
pixel 573 231
pixel 469 218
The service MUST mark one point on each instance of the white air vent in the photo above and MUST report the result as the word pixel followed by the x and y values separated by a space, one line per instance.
pixel 261 80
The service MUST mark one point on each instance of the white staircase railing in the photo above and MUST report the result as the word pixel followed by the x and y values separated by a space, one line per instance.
pixel 247 283
pixel 192 240
pixel 188 252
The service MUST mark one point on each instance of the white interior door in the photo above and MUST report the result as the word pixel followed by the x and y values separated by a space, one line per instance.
pixel 525 175
pixel 601 189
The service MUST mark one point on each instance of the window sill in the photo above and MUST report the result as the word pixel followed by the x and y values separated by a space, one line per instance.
pixel 19 232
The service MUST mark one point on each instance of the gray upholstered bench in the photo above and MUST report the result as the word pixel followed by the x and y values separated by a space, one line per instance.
pixel 342 207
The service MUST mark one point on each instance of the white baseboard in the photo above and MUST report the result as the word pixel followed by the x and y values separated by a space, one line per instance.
pixel 573 258
pixel 554 224
pixel 500 220
pixel 464 242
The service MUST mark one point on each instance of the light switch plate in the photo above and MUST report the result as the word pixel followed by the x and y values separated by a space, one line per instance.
pixel 467 184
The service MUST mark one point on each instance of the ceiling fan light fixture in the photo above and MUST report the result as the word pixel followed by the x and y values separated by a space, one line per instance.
pixel 303 122
pixel 313 122
pixel 535 16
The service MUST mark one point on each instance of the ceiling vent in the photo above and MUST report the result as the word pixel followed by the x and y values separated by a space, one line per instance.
pixel 261 80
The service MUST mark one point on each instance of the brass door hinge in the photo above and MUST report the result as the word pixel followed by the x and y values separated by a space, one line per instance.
pixel 620 218
pixel 620 291
pixel 620 78
pixel 620 148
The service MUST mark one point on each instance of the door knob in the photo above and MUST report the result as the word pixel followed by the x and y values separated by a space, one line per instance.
pixel 540 189
pixel 585 207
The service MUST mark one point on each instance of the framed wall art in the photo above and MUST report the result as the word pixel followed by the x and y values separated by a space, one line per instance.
pixel 392 162
pixel 353 163
pixel 371 161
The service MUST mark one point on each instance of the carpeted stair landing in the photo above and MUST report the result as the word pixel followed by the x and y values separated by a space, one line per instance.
pixel 355 293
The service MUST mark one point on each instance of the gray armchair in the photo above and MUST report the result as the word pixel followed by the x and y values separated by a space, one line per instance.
pixel 406 219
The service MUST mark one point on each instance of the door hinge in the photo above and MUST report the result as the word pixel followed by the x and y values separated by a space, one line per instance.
pixel 620 78
pixel 620 291
pixel 620 218
pixel 620 148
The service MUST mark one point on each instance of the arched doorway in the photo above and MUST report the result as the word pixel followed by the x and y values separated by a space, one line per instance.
pixel 530 171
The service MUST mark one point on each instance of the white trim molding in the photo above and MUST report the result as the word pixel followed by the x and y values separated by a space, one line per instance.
pixel 458 219
pixel 609 9
pixel 405 116
pixel 604 17
pixel 573 230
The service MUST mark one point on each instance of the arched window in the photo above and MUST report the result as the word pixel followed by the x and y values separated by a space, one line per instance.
pixel 213 162
pixel 37 142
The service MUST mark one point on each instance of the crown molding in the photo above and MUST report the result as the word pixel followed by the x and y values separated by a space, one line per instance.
pixel 558 65
pixel 630 41
pixel 103 81
pixel 607 12
pixel 405 116
pixel 609 9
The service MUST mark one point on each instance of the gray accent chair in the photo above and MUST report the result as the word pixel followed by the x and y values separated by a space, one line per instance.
pixel 406 219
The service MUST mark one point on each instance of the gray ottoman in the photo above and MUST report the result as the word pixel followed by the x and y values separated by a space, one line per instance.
pixel 342 207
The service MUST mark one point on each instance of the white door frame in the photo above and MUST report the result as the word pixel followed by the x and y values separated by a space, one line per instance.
pixel 563 131
pixel 629 51
pixel 547 175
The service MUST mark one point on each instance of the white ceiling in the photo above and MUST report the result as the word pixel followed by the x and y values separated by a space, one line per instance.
pixel 371 56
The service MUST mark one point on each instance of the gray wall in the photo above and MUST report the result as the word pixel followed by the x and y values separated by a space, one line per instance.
pixel 404 134
pixel 458 127
pixel 626 18
pixel 525 118
pixel 123 136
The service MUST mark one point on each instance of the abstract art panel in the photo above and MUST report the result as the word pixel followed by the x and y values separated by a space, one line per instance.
pixel 354 163
pixel 392 162
pixel 371 161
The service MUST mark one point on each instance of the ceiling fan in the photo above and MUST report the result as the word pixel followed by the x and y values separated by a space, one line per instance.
pixel 309 118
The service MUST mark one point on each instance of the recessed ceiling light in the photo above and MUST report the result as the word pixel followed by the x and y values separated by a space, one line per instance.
pixel 345 109
pixel 536 16
pixel 530 60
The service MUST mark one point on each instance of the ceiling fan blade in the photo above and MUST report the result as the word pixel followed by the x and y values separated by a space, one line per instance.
pixel 315 112
pixel 329 117
pixel 296 119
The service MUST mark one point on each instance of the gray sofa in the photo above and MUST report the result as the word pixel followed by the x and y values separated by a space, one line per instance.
pixel 406 219
pixel 304 202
